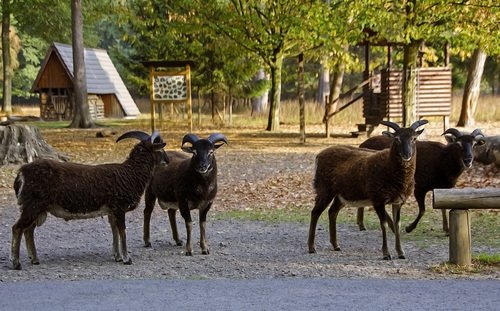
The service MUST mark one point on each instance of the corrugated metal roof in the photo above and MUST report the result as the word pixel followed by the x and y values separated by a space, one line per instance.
pixel 102 76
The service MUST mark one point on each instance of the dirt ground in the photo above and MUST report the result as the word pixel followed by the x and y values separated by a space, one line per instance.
pixel 257 170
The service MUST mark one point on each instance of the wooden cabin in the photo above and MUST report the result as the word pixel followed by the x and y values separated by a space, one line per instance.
pixel 108 96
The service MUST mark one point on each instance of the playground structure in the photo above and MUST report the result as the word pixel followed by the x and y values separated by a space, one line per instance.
pixel 382 93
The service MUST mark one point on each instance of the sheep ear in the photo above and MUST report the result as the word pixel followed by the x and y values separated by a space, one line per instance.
pixel 480 141
pixel 419 132
pixel 450 139
pixel 388 134
pixel 188 148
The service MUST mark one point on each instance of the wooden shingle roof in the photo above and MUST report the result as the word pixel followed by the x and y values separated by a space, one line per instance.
pixel 102 76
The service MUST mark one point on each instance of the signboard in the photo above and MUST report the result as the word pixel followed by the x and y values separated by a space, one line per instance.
pixel 169 88
pixel 172 86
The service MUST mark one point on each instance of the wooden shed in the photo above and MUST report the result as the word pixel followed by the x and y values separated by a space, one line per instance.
pixel 383 97
pixel 108 96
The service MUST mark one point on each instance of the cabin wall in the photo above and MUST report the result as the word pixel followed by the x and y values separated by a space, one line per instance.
pixel 112 108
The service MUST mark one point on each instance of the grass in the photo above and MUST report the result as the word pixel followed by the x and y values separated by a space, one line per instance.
pixel 488 110
pixel 428 232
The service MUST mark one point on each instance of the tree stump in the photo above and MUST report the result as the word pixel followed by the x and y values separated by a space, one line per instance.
pixel 21 143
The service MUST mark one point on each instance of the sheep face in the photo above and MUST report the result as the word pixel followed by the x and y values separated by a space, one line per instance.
pixel 404 138
pixel 203 158
pixel 153 144
pixel 465 143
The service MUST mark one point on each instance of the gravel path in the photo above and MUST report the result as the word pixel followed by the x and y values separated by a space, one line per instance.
pixel 81 250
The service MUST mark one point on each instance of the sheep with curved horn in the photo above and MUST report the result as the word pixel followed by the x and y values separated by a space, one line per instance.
pixel 78 191
pixel 187 183
pixel 360 177
pixel 438 165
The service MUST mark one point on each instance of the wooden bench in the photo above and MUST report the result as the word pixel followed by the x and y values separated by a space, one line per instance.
pixel 459 202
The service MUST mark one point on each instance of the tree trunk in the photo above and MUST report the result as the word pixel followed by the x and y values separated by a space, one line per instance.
pixel 273 123
pixel 323 85
pixel 334 97
pixel 81 112
pixel 7 69
pixel 409 89
pixel 23 144
pixel 259 104
pixel 300 80
pixel 472 89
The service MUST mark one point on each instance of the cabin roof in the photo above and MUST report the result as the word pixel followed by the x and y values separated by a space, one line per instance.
pixel 102 76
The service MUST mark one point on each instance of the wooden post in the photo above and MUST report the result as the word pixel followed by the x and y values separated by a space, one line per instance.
pixel 189 103
pixel 460 237
pixel 151 97
pixel 459 201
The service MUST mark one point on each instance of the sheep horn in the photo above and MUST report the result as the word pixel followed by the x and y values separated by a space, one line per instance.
pixel 477 132
pixel 154 136
pixel 134 134
pixel 216 137
pixel 390 124
pixel 418 124
pixel 453 132
pixel 190 138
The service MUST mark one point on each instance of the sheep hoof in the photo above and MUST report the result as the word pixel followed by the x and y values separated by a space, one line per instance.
pixel 16 265
pixel 312 251
pixel 402 257
pixel 147 244
pixel 409 229
pixel 362 228
pixel 179 243
pixel 387 257
pixel 118 258
pixel 207 252
pixel 337 249
pixel 35 261
pixel 127 262
pixel 189 253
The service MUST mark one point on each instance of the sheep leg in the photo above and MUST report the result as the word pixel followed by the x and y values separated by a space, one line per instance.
pixel 396 215
pixel 173 226
pixel 333 212
pixel 360 218
pixel 114 231
pixel 30 244
pixel 14 247
pixel 446 228
pixel 420 197
pixel 18 229
pixel 120 224
pixel 319 206
pixel 381 213
pixel 186 214
pixel 203 237
pixel 150 201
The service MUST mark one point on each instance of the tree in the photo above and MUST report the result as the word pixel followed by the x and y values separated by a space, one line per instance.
pixel 81 112
pixel 472 89
pixel 478 31
pixel 412 23
pixel 7 69
pixel 270 30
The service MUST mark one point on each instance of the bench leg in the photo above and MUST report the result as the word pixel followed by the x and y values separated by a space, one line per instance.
pixel 460 237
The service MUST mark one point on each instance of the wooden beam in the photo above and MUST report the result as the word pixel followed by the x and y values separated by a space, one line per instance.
pixel 467 198
pixel 459 201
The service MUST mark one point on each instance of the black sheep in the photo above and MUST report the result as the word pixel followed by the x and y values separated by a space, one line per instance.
pixel 438 165
pixel 78 191
pixel 188 182
pixel 346 174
